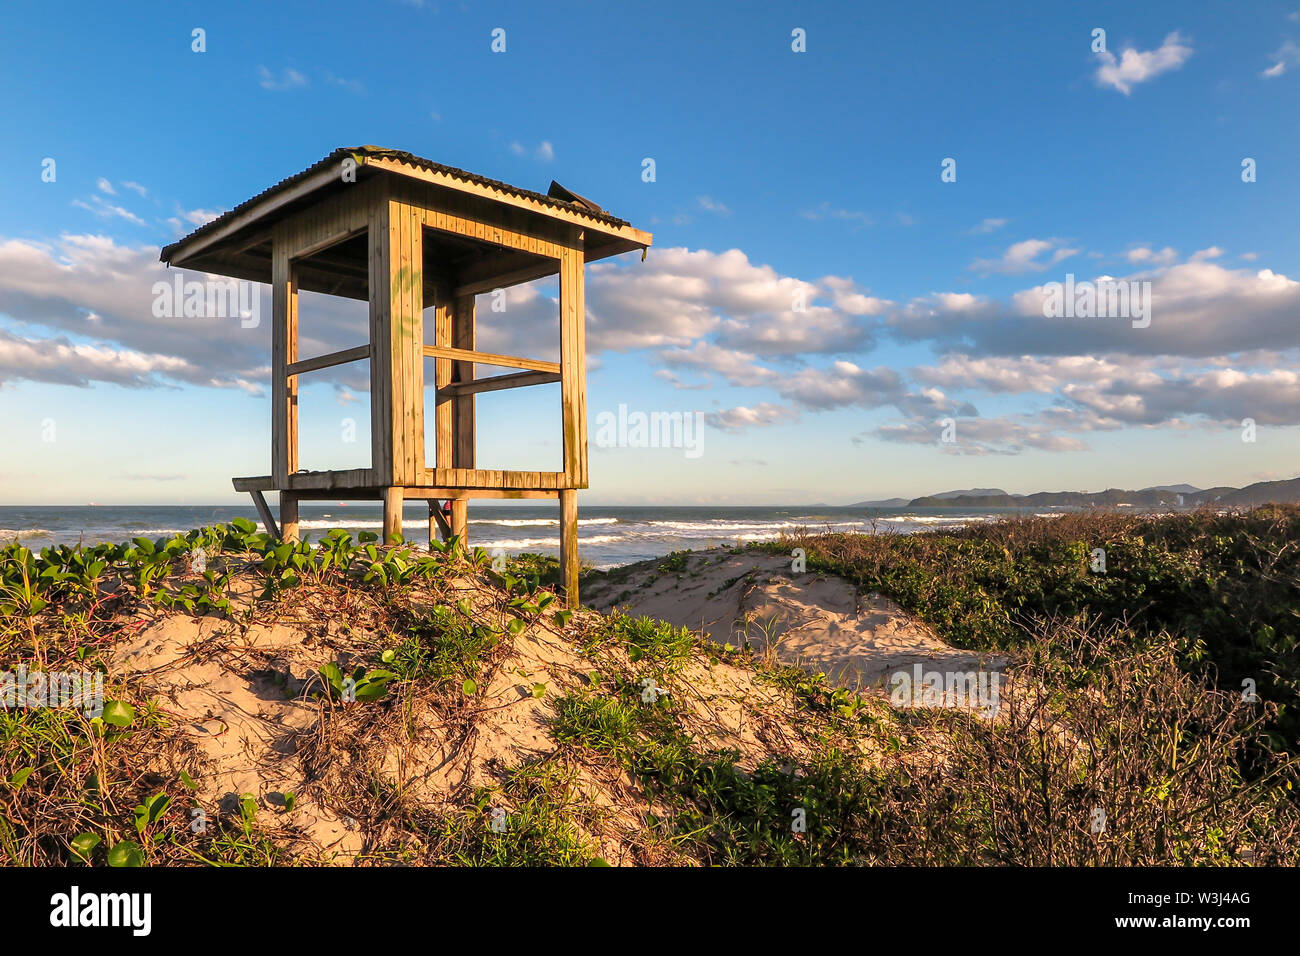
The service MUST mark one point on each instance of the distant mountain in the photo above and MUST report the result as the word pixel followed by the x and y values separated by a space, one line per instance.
pixel 973 493
pixel 1187 496
pixel 1260 493
pixel 904 502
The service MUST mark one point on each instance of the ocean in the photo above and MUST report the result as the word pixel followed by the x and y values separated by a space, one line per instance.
pixel 608 535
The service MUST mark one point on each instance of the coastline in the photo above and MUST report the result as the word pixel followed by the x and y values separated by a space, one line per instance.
pixel 608 535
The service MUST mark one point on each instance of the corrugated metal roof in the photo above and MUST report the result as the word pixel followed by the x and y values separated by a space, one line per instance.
pixel 585 208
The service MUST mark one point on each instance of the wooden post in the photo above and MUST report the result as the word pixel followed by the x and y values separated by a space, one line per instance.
pixel 462 406
pixel 443 309
pixel 460 520
pixel 453 327
pixel 396 343
pixel 393 501
pixel 569 545
pixel 438 526
pixel 284 352
pixel 288 516
pixel 573 365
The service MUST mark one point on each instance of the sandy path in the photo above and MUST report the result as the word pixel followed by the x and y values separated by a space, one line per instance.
pixel 816 621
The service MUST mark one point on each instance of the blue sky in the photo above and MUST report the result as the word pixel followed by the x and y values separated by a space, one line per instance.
pixel 777 173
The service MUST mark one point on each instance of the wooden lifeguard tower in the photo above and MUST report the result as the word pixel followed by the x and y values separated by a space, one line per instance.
pixel 404 234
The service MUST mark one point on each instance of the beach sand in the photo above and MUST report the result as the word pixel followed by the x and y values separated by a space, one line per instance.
pixel 816 621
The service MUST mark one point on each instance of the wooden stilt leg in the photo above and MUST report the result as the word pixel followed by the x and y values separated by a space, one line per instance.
pixel 437 522
pixel 393 499
pixel 460 520
pixel 264 512
pixel 288 516
pixel 569 545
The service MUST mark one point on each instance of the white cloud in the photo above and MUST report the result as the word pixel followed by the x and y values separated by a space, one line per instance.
pixel 1147 255
pixel 678 296
pixel 545 152
pixel 50 289
pixel 289 79
pixel 105 186
pixel 63 362
pixel 982 436
pixel 1135 66
pixel 826 211
pixel 1222 342
pixel 742 416
pixel 1197 309
pixel 107 210
pixel 1023 256
pixel 988 225
pixel 352 86
pixel 200 217
pixel 1287 55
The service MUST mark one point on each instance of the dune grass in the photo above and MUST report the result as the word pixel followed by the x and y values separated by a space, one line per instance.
pixel 1124 738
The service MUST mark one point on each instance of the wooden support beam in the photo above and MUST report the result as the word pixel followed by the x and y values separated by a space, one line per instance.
pixel 495 383
pixel 460 521
pixel 462 405
pixel 511 268
pixel 284 353
pixel 264 512
pixel 443 312
pixel 393 501
pixel 324 485
pixel 569 546
pixel 396 340
pixel 573 365
pixel 503 270
pixel 342 232
pixel 489 358
pixel 491 478
pixel 438 526
pixel 330 360
pixel 288 516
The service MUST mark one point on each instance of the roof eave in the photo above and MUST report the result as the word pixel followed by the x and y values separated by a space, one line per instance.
pixel 369 158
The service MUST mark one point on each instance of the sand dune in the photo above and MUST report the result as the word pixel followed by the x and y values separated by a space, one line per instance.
pixel 816 621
